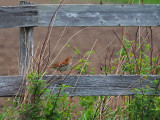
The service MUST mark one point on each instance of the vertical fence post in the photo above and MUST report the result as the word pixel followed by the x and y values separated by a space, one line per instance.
pixel 26 46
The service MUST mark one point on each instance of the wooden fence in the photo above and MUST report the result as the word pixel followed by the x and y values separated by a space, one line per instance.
pixel 28 16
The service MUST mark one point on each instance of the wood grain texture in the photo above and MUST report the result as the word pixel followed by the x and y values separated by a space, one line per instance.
pixel 26 49
pixel 81 15
pixel 9 85
pixel 18 16
pixel 26 46
pixel 88 85
pixel 100 15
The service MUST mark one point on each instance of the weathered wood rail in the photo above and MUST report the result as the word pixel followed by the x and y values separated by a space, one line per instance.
pixel 87 85
pixel 28 16
pixel 80 15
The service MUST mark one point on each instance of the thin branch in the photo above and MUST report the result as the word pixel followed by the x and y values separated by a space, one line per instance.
pixel 121 44
pixel 151 48
pixel 83 66
pixel 109 66
pixel 47 36
pixel 106 59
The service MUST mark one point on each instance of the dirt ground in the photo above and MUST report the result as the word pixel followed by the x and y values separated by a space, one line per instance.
pixel 9 42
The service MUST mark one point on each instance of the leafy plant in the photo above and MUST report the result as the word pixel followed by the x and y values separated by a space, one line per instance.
pixel 145 106
pixel 88 103
pixel 83 63
pixel 134 58
pixel 43 104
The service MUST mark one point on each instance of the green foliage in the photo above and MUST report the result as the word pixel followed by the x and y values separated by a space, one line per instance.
pixel 82 67
pixel 83 63
pixel 89 53
pixel 92 71
pixel 43 103
pixel 145 106
pixel 133 58
pixel 76 51
pixel 108 69
pixel 88 103
pixel 68 45
pixel 137 61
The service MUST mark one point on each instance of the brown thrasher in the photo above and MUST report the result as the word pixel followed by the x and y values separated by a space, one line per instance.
pixel 63 65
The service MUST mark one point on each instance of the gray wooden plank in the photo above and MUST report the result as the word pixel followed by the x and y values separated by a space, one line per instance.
pixel 81 15
pixel 26 46
pixel 18 16
pixel 87 85
pixel 26 49
pixel 100 15
pixel 9 85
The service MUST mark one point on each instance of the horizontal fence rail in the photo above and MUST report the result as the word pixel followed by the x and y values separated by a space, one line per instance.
pixel 19 16
pixel 87 85
pixel 27 16
pixel 80 15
